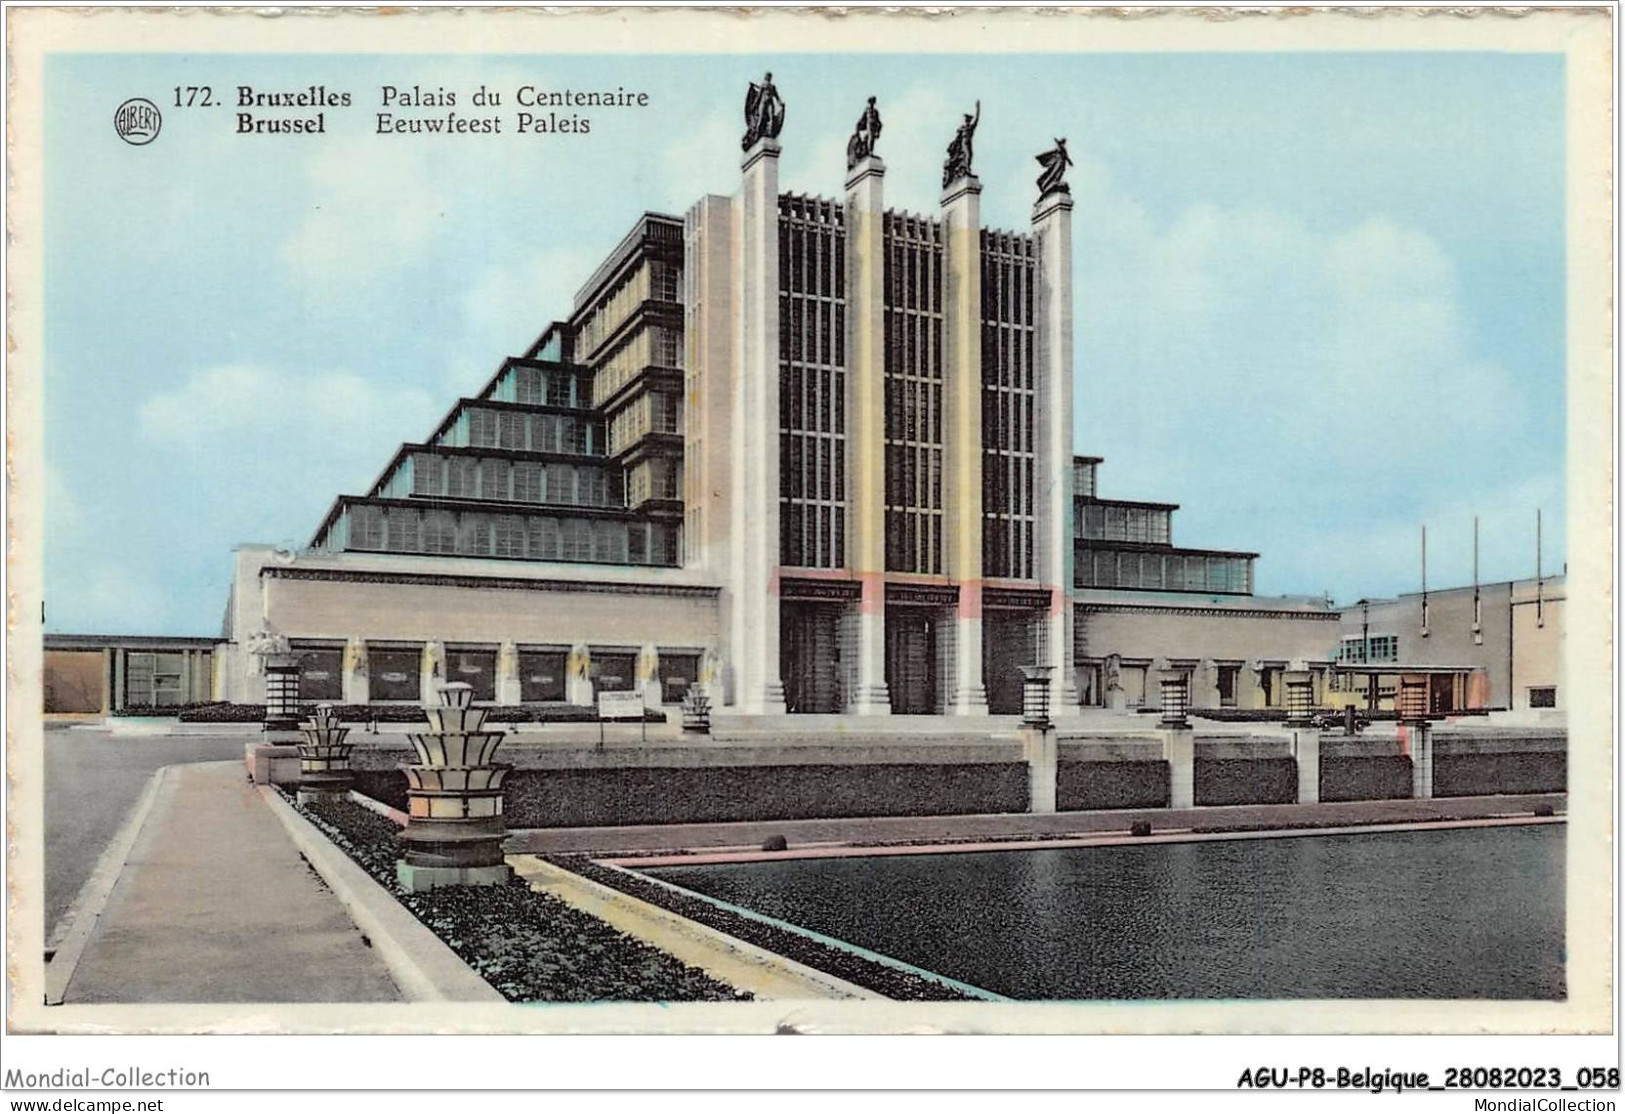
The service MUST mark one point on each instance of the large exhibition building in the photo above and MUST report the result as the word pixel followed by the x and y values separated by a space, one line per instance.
pixel 812 453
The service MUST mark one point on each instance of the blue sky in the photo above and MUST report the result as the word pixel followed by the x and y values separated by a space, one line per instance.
pixel 1320 298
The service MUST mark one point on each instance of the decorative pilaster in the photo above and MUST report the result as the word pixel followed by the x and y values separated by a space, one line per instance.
pixel 1179 751
pixel 578 675
pixel 431 671
pixel 866 426
pixel 1052 480
pixel 648 676
pixel 357 683
pixel 758 688
pixel 507 686
pixel 962 434
pixel 1306 753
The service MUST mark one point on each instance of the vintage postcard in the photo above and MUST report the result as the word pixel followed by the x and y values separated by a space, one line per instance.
pixel 735 521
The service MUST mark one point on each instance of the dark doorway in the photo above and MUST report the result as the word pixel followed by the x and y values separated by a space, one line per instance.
pixel 1441 694
pixel 810 657
pixel 1008 642
pixel 911 660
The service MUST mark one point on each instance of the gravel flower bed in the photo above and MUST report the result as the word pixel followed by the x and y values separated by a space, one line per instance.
pixel 530 946
pixel 890 981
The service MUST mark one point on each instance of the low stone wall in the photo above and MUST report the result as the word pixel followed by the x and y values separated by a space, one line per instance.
pixel 580 798
pixel 1081 786
pixel 561 782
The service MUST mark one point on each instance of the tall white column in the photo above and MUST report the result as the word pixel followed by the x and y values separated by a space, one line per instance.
pixel 758 688
pixel 962 434
pixel 866 426
pixel 1052 482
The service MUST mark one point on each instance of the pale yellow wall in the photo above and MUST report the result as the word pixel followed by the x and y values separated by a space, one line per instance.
pixel 1208 637
pixel 329 609
pixel 1537 650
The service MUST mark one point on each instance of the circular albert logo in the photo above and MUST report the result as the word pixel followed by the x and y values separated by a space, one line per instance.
pixel 137 121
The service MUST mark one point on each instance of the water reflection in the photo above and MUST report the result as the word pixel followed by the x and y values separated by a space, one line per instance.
pixel 1467 913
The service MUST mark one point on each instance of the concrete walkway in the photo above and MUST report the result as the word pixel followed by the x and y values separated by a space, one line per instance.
pixel 880 830
pixel 215 904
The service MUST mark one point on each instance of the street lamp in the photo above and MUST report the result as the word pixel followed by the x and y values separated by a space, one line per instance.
pixel 1412 703
pixel 1035 695
pixel 1176 697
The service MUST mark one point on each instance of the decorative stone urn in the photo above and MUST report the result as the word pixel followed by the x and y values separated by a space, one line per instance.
pixel 324 758
pixel 454 827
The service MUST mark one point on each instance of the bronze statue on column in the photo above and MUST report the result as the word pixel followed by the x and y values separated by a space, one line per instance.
pixel 764 112
pixel 960 150
pixel 864 136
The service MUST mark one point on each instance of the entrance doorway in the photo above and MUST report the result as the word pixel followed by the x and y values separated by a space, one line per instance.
pixel 810 657
pixel 1441 694
pixel 1009 641
pixel 911 660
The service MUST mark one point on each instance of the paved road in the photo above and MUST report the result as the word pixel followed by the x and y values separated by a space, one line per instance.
pixel 92 779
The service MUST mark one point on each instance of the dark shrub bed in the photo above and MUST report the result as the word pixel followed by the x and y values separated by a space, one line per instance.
pixel 531 947
pixel 896 984
pixel 223 713
pixel 392 713
pixel 675 795
pixel 1246 781
pixel 389 787
pixel 1081 786
pixel 179 710
pixel 1473 775
pixel 534 798
pixel 1381 778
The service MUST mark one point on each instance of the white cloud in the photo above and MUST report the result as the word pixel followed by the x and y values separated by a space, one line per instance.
pixel 374 206
pixel 261 425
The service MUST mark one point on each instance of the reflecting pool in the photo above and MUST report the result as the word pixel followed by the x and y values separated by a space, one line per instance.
pixel 1460 913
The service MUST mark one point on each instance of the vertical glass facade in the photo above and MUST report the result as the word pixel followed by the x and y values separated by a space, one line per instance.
pixel 812 382
pixel 1009 274
pixel 913 284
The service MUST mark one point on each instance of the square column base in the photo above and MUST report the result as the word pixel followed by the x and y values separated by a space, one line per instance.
pixel 970 700
pixel 417 879
pixel 773 700
pixel 871 700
